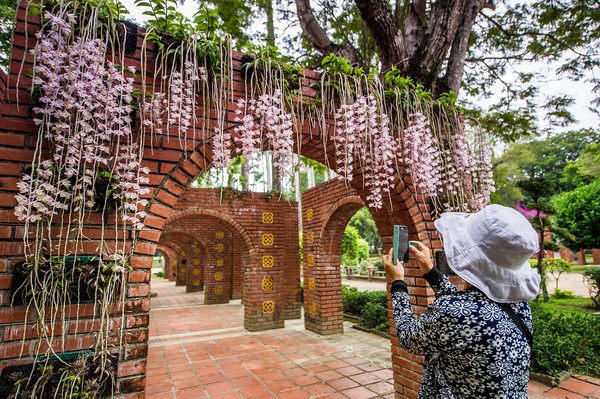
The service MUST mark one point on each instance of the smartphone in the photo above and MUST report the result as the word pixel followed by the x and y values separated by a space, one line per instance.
pixel 400 244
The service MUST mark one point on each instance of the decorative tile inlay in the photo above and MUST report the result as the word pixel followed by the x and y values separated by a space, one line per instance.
pixel 196 272
pixel 196 262
pixel 267 284
pixel 267 217
pixel 196 251
pixel 268 240
pixel 195 282
pixel 218 276
pixel 219 234
pixel 268 306
pixel 310 238
pixel 309 214
pixel 268 261
pixel 219 247
pixel 218 290
pixel 311 284
pixel 219 262
pixel 312 308
pixel 310 260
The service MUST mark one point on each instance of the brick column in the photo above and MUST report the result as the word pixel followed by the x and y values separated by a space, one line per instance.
pixel 218 268
pixel 182 269
pixel 195 274
pixel 264 295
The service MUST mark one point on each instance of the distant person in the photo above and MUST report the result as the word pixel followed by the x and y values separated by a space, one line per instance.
pixel 476 342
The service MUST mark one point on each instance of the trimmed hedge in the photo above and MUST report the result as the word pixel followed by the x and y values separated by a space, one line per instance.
pixel 370 306
pixel 565 340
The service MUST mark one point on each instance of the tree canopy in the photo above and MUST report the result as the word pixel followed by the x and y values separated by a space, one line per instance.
pixel 578 211
pixel 478 47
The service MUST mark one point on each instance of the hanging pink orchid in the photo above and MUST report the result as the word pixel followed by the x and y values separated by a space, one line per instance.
pixel 265 118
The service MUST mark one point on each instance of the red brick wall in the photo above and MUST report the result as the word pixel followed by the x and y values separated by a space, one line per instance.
pixel 172 170
pixel 232 225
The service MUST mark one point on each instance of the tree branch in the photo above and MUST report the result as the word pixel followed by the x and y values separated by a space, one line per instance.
pixel 317 37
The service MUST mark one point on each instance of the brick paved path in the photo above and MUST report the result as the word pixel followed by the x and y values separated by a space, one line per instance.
pixel 198 351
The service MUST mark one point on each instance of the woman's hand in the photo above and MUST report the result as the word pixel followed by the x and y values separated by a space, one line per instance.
pixel 422 256
pixel 393 272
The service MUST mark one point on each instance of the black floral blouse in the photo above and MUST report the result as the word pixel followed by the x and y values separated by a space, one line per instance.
pixel 471 346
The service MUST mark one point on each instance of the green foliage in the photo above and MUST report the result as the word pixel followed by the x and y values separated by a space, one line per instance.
pixel 350 243
pixel 551 246
pixel 375 316
pixel 379 265
pixel 7 16
pixel 363 249
pixel 591 277
pixel 172 30
pixel 268 62
pixel 560 294
pixel 564 340
pixel 160 274
pixel 365 224
pixel 371 306
pixel 334 65
pixel 546 160
pixel 556 267
pixel 578 212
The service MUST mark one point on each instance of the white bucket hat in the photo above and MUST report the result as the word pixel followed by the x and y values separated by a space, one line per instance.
pixel 490 249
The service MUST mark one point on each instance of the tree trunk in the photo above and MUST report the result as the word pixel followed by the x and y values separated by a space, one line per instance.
pixel 245 175
pixel 270 22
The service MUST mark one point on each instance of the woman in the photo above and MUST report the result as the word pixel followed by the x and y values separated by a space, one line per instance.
pixel 475 341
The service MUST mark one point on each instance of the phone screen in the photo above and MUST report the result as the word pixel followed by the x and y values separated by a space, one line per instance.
pixel 400 244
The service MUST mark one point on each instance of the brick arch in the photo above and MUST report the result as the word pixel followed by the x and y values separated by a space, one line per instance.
pixel 237 227
pixel 170 261
pixel 173 165
pixel 336 218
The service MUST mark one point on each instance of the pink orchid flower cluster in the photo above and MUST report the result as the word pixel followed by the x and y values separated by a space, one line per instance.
pixel 456 174
pixel 363 133
pixel 84 113
pixel 265 118
pixel 154 111
pixel 129 188
pixel 182 96
pixel 420 155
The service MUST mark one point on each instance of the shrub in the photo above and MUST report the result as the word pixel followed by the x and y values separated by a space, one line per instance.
pixel 565 340
pixel 560 294
pixel 379 265
pixel 371 306
pixel 556 267
pixel 363 266
pixel 159 274
pixel 591 277
pixel 375 316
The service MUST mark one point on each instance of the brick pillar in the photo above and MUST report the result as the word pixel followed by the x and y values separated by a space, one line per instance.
pixel 596 256
pixel 182 269
pixel 237 270
pixel 293 295
pixel 264 282
pixel 195 273
pixel 217 278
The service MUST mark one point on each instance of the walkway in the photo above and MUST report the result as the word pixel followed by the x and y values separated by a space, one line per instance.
pixel 198 351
